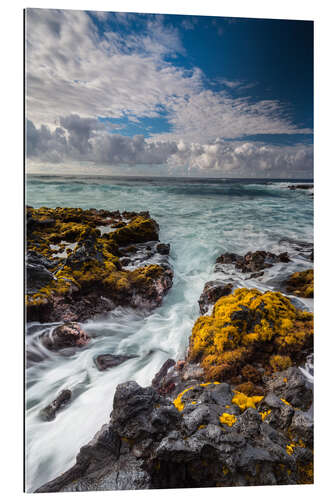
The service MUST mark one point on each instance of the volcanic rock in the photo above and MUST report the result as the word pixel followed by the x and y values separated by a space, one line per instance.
pixel 49 412
pixel 66 335
pixel 252 262
pixel 212 291
pixel 106 361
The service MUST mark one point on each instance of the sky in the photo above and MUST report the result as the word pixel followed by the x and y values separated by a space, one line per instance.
pixel 143 94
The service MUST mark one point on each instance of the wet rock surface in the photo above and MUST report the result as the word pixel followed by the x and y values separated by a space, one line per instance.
pixel 248 327
pixel 107 361
pixel 304 248
pixel 293 187
pixel 49 412
pixel 212 291
pixel 252 262
pixel 37 272
pixel 208 434
pixel 66 335
pixel 87 262
pixel 189 431
pixel 301 283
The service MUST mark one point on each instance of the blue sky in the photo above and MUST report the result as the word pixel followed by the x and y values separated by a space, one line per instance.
pixel 256 58
pixel 169 95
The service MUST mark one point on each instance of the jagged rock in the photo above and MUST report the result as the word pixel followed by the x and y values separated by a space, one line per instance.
pixel 304 248
pixel 301 283
pixel 89 278
pixel 210 436
pixel 37 272
pixel 49 412
pixel 163 248
pixel 252 262
pixel 159 382
pixel 212 291
pixel 293 187
pixel 67 335
pixel 291 386
pixel 250 327
pixel 106 361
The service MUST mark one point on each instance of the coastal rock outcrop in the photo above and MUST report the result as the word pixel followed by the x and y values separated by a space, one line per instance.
pixel 49 412
pixel 212 291
pixel 264 330
pixel 201 435
pixel 76 267
pixel 301 284
pixel 252 262
pixel 66 335
pixel 107 361
pixel 293 187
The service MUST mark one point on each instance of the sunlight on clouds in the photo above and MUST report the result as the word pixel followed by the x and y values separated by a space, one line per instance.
pixel 75 75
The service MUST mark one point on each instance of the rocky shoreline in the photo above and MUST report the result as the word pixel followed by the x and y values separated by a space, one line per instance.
pixel 236 411
pixel 83 262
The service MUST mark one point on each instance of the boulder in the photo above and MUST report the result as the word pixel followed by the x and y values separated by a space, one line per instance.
pixel 49 412
pixel 252 262
pixel 90 278
pixel 210 435
pixel 301 283
pixel 212 291
pixel 107 361
pixel 163 248
pixel 37 272
pixel 67 335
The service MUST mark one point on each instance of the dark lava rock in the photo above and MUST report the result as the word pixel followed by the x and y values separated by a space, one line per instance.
pixel 304 248
pixel 293 187
pixel 204 439
pixel 291 386
pixel 106 361
pixel 301 283
pixel 37 273
pixel 161 382
pixel 163 248
pixel 90 278
pixel 212 291
pixel 49 412
pixel 66 335
pixel 252 262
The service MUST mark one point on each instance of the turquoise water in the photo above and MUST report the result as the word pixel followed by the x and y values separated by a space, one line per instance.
pixel 200 219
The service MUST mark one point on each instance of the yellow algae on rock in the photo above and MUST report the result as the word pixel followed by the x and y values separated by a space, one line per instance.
pixel 264 414
pixel 244 402
pixel 240 324
pixel 178 401
pixel 279 363
pixel 228 419
pixel 301 283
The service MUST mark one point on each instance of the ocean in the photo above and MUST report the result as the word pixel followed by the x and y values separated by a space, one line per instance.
pixel 201 219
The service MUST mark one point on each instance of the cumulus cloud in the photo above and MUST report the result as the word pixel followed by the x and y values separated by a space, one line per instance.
pixel 240 158
pixel 87 139
pixel 71 68
pixel 77 75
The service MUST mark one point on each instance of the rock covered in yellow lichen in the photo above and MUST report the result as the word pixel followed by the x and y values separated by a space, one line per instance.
pixel 228 419
pixel 249 325
pixel 301 283
pixel 243 401
pixel 83 263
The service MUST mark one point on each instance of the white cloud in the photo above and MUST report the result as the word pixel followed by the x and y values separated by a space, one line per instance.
pixel 240 158
pixel 70 69
pixel 85 139
pixel 75 75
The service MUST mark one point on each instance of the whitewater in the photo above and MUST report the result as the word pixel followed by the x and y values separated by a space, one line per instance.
pixel 200 219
